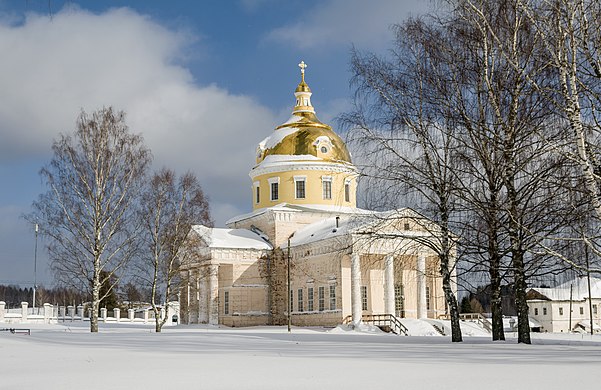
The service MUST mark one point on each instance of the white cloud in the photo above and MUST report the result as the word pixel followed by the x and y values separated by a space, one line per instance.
pixel 337 22
pixel 51 68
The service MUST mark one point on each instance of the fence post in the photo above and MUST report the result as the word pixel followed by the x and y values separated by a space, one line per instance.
pixel 131 314
pixel 24 311
pixel 103 313
pixel 117 314
pixel 71 311
pixel 145 316
pixel 80 312
pixel 2 308
pixel 47 313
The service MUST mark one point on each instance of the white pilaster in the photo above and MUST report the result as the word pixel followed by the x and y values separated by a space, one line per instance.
pixel 213 294
pixel 356 309
pixel 389 285
pixel 421 287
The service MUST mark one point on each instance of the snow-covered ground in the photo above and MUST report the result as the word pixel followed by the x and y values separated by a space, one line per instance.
pixel 67 356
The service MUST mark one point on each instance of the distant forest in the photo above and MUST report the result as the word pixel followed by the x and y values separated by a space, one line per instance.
pixel 13 296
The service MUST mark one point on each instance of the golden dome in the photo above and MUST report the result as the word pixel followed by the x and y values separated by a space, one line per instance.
pixel 304 135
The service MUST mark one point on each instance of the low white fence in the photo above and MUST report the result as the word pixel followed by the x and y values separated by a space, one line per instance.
pixel 51 314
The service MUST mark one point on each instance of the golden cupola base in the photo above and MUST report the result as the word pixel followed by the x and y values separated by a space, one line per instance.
pixel 304 161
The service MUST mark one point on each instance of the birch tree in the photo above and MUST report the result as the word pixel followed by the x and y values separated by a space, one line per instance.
pixel 88 212
pixel 169 208
pixel 398 119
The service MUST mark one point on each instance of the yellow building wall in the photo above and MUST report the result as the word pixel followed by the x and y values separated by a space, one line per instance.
pixel 313 188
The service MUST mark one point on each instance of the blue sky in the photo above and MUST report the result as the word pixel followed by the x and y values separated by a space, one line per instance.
pixel 203 81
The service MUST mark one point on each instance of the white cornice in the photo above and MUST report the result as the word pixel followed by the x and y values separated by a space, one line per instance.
pixel 302 166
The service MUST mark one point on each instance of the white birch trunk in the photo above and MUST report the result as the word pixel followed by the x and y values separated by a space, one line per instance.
pixel 422 311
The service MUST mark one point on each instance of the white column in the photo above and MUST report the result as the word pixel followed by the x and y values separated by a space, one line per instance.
pixel 421 287
pixel 213 294
pixel 203 296
pixel 389 285
pixel 117 314
pixel 2 308
pixel 356 309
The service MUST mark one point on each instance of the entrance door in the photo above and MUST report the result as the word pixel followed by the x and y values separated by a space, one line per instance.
pixel 399 300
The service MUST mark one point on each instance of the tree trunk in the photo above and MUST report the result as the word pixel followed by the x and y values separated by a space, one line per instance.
pixel 95 300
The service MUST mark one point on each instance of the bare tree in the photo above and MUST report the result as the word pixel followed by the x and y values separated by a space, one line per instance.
pixel 169 208
pixel 88 212
pixel 398 118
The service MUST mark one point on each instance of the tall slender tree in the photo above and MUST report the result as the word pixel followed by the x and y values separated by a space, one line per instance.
pixel 89 210
pixel 169 208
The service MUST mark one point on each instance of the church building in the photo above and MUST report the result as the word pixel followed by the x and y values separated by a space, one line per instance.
pixel 306 253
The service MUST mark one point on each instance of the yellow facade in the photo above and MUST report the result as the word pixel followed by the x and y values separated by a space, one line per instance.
pixel 316 190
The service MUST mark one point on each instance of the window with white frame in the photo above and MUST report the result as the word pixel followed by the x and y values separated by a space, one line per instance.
pixel 427 298
pixel 291 300
pixel 300 187
pixel 310 299
pixel 332 297
pixel 536 311
pixel 594 309
pixel 363 297
pixel 581 310
pixel 561 311
pixel 544 311
pixel 299 300
pixel 257 192
pixel 321 298
pixel 274 188
pixel 326 186
pixel 226 302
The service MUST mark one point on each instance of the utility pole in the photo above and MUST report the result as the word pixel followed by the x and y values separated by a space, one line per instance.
pixel 570 325
pixel 289 289
pixel 588 280
pixel 35 264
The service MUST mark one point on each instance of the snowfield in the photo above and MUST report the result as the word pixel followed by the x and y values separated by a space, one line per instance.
pixel 67 356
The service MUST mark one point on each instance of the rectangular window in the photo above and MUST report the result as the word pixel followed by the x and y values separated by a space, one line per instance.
pixel 581 310
pixel 427 298
pixel 544 311
pixel 291 300
pixel 536 311
pixel 594 309
pixel 310 299
pixel 363 297
pixel 226 302
pixel 258 194
pixel 326 185
pixel 299 301
pixel 321 298
pixel 332 297
pixel 300 189
pixel 347 192
pixel 275 191
pixel 561 311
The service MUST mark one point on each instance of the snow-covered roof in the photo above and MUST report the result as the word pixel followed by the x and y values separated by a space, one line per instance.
pixel 579 290
pixel 231 238
pixel 353 221
pixel 329 209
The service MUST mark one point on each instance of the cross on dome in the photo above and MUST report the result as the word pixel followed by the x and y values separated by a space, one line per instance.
pixel 302 67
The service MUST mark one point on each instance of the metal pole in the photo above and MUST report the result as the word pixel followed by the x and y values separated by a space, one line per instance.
pixel 288 300
pixel 588 279
pixel 35 264
pixel 570 324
